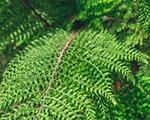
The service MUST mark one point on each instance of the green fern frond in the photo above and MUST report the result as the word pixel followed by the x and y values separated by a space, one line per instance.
pixel 144 18
pixel 17 31
pixel 65 80
pixel 21 21
pixel 141 28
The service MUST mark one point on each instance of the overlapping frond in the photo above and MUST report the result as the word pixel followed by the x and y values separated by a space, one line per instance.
pixel 21 21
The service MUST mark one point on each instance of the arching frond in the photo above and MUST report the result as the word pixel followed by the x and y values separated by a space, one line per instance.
pixel 65 80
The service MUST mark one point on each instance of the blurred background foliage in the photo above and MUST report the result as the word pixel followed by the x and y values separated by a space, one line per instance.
pixel 22 21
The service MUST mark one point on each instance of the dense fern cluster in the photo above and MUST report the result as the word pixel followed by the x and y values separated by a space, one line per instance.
pixel 100 71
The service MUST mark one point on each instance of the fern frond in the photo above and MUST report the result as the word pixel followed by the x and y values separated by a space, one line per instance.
pixel 24 20
pixel 144 18
pixel 141 28
pixel 65 80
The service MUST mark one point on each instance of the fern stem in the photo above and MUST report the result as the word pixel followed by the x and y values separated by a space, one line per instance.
pixel 56 67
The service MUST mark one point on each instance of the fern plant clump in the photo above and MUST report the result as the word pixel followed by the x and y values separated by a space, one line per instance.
pixel 74 60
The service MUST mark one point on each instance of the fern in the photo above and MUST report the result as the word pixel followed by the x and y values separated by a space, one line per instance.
pixel 92 12
pixel 136 16
pixel 65 80
pixel 84 75
pixel 144 16
pixel 22 21
pixel 33 19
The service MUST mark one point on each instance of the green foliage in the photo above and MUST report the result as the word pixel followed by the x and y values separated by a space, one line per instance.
pixel 23 19
pixel 141 28
pixel 144 18
pixel 87 75
pixel 47 82
pixel 91 12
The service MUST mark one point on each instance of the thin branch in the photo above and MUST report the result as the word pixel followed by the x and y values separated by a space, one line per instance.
pixel 105 18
